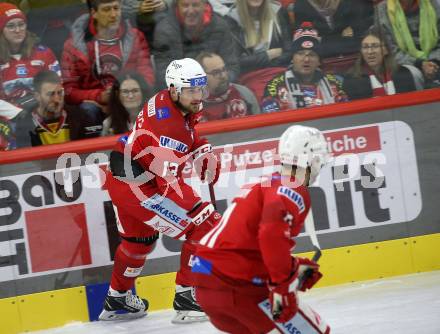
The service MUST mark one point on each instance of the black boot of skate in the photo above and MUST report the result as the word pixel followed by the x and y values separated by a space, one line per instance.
pixel 123 306
pixel 186 307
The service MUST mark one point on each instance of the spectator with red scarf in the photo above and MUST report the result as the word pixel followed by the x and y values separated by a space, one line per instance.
pixel 226 99
pixel 376 73
pixel 100 47
pixel 191 27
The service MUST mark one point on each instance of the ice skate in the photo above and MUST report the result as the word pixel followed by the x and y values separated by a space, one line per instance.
pixel 186 307
pixel 123 306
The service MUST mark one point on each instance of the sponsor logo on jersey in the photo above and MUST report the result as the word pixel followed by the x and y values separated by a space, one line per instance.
pixel 173 144
pixel 152 106
pixel 163 113
pixel 21 71
pixel 165 229
pixel 164 212
pixel 292 195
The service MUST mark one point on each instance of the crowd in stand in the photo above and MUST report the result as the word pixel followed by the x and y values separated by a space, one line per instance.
pixel 73 69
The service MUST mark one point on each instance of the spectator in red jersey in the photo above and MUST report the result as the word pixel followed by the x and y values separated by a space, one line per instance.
pixel 262 34
pixel 226 99
pixel 129 92
pixel 21 58
pixel 100 47
pixel 376 73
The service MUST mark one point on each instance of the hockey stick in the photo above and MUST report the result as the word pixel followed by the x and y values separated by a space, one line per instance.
pixel 309 225
pixel 212 195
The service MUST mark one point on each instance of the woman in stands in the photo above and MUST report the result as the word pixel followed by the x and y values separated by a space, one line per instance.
pixel 376 73
pixel 21 58
pixel 262 33
pixel 127 97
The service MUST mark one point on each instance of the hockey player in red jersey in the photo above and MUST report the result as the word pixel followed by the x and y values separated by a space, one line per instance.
pixel 247 280
pixel 149 195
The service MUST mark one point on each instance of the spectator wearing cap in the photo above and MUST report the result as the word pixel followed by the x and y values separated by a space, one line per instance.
pixel 262 32
pixel 100 47
pixel 226 100
pixel 21 58
pixel 303 84
pixel 411 28
pixel 191 27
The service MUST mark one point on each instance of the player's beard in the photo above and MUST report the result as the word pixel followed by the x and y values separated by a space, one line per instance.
pixel 186 111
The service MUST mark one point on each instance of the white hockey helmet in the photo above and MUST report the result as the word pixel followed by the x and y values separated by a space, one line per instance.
pixel 185 72
pixel 303 146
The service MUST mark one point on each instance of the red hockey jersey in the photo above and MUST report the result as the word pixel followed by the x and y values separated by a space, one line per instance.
pixel 162 139
pixel 17 75
pixel 253 242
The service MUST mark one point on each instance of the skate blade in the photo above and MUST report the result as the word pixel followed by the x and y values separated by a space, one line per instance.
pixel 114 315
pixel 187 317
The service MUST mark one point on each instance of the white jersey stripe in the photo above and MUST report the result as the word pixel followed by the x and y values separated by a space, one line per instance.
pixel 222 224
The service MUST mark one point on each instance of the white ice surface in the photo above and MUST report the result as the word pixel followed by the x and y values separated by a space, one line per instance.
pixel 399 305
